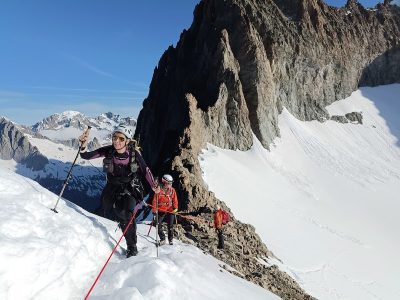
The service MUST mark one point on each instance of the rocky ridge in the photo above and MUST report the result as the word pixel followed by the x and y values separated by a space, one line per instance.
pixel 15 145
pixel 230 76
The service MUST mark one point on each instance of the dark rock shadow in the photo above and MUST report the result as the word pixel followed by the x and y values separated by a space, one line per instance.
pixel 387 100
pixel 384 70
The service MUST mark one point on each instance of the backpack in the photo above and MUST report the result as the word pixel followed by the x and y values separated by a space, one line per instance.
pixel 225 217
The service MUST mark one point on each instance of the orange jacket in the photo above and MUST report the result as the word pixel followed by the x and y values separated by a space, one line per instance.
pixel 218 219
pixel 167 200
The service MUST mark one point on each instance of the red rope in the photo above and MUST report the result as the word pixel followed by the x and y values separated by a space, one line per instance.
pixel 191 218
pixel 112 252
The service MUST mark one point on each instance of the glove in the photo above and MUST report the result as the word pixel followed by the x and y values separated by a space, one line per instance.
pixel 175 211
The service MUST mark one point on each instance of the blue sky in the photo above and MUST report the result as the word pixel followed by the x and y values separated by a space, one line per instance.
pixel 92 56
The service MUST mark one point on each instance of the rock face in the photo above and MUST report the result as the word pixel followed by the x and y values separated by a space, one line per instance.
pixel 353 117
pixel 230 76
pixel 254 57
pixel 14 145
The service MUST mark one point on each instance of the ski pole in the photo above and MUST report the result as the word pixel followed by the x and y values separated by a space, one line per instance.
pixel 151 225
pixel 157 223
pixel 86 133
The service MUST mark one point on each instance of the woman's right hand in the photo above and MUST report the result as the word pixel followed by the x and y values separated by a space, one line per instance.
pixel 83 138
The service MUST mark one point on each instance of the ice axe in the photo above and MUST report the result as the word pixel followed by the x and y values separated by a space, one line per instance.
pixel 81 147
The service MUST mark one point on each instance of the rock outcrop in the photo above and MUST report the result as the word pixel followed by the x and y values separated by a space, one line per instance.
pixel 84 186
pixel 14 145
pixel 230 76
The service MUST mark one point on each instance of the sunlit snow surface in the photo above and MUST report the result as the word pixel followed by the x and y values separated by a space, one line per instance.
pixel 44 255
pixel 325 199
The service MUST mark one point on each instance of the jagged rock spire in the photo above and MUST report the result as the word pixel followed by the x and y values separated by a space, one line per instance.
pixel 236 68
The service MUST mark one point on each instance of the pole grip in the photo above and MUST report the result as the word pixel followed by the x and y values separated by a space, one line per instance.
pixel 86 136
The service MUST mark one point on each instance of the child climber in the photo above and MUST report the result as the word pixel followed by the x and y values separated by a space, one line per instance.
pixel 167 207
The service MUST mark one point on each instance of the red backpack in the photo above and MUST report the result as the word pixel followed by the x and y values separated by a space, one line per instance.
pixel 225 217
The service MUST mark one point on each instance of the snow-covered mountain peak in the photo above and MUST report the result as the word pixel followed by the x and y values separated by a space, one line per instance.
pixel 2 118
pixel 69 114
pixel 62 120
pixel 68 125
pixel 108 115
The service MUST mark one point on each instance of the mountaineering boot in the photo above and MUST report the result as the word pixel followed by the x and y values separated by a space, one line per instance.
pixel 171 242
pixel 162 242
pixel 131 251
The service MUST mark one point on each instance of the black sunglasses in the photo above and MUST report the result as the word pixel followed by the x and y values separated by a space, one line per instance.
pixel 120 138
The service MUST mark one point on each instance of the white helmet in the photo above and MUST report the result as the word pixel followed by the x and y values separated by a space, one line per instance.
pixel 167 178
pixel 218 207
pixel 125 131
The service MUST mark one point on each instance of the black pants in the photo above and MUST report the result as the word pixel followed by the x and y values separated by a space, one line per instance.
pixel 220 238
pixel 164 217
pixel 119 204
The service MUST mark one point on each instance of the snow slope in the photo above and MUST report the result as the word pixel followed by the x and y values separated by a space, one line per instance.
pixel 325 199
pixel 87 180
pixel 44 255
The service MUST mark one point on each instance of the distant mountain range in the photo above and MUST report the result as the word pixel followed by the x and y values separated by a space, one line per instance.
pixel 45 151
pixel 67 126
